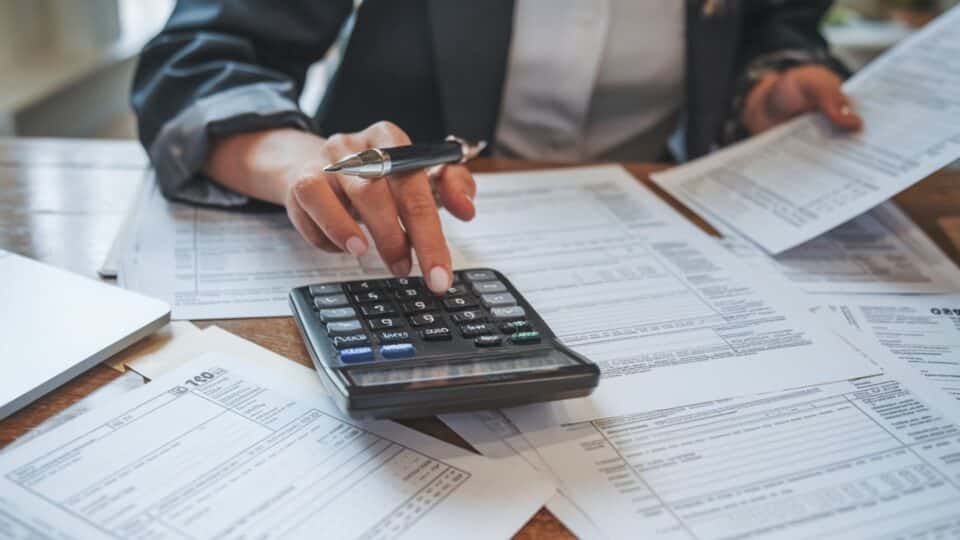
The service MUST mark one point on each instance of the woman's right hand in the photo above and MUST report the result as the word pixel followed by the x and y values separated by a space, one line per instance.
pixel 285 166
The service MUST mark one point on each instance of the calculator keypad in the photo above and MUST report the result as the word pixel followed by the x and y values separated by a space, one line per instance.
pixel 396 319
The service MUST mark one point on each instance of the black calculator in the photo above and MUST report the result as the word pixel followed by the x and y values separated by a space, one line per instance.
pixel 390 348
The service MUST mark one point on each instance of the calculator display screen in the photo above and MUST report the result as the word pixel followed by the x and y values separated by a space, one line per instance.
pixel 442 373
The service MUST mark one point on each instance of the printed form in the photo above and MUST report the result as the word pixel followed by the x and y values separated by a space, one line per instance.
pixel 803 178
pixel 923 332
pixel 871 458
pixel 669 316
pixel 879 252
pixel 213 451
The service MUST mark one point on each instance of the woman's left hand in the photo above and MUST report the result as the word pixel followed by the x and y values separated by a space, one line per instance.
pixel 779 96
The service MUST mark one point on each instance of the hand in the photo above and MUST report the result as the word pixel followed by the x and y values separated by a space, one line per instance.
pixel 778 97
pixel 285 166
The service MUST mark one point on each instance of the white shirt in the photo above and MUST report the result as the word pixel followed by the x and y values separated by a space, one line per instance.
pixel 587 77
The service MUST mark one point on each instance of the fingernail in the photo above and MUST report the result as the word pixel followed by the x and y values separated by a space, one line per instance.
pixel 356 246
pixel 401 268
pixel 846 110
pixel 438 280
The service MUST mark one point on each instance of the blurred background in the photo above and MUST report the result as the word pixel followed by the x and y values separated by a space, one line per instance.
pixel 66 64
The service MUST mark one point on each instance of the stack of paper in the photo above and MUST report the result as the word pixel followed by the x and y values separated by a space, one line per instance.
pixel 243 445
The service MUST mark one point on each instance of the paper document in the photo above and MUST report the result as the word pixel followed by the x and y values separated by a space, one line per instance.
pixel 216 450
pixel 880 252
pixel 872 458
pixel 803 178
pixel 923 332
pixel 669 315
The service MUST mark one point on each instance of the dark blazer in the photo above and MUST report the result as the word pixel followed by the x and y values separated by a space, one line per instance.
pixel 433 67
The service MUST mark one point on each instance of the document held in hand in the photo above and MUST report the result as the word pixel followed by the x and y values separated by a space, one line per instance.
pixel 799 180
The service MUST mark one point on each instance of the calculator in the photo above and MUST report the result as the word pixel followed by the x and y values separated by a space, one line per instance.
pixel 390 348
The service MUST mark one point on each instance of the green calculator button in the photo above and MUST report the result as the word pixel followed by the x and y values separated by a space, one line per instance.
pixel 525 338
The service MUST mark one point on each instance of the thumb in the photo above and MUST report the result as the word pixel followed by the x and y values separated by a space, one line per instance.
pixel 834 104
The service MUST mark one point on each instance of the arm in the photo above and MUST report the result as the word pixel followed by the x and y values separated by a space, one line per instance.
pixel 786 69
pixel 215 94
pixel 224 67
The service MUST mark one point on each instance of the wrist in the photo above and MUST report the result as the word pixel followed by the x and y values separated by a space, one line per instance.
pixel 262 164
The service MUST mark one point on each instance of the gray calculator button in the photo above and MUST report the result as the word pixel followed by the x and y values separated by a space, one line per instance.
pixel 507 313
pixel 487 287
pixel 344 327
pixel 498 300
pixel 325 288
pixel 337 314
pixel 479 275
pixel 331 301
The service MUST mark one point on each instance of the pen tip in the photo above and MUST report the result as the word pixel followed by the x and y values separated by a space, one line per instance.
pixel 333 167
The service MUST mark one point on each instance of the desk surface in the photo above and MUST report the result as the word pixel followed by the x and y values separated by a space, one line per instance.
pixel 62 202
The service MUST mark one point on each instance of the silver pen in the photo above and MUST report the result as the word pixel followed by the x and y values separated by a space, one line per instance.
pixel 380 162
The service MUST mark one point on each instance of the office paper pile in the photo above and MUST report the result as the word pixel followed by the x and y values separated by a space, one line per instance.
pixel 814 392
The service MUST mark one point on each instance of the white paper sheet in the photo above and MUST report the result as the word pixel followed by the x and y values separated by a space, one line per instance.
pixel 214 449
pixel 879 252
pixel 871 458
pixel 923 332
pixel 668 314
pixel 803 178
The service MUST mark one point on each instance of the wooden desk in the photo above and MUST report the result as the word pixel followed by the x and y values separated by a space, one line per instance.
pixel 62 202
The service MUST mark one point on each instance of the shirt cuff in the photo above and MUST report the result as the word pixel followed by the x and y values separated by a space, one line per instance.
pixel 180 149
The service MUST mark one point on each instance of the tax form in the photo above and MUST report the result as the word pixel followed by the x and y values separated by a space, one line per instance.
pixel 799 180
pixel 870 458
pixel 213 450
pixel 668 315
pixel 923 332
pixel 879 252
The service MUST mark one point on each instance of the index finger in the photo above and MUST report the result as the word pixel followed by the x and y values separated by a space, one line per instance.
pixel 418 212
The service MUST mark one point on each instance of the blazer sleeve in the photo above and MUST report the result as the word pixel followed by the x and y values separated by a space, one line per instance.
pixel 225 66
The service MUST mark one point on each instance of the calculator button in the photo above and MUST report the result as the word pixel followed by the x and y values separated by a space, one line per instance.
pixel 424 319
pixel 325 288
pixel 498 300
pixel 403 283
pixel 439 333
pixel 479 275
pixel 488 287
pixel 363 286
pixel 384 322
pixel 515 326
pixel 353 340
pixel 331 301
pixel 344 327
pixel 508 313
pixel 475 329
pixel 457 290
pixel 356 354
pixel 467 316
pixel 376 310
pixel 397 350
pixel 393 336
pixel 488 341
pixel 369 296
pixel 418 306
pixel 409 293
pixel 524 338
pixel 337 314
pixel 459 302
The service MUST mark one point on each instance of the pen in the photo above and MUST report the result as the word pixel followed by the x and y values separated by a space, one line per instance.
pixel 380 162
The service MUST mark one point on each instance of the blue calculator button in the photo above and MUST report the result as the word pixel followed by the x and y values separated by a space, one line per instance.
pixel 356 354
pixel 397 350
